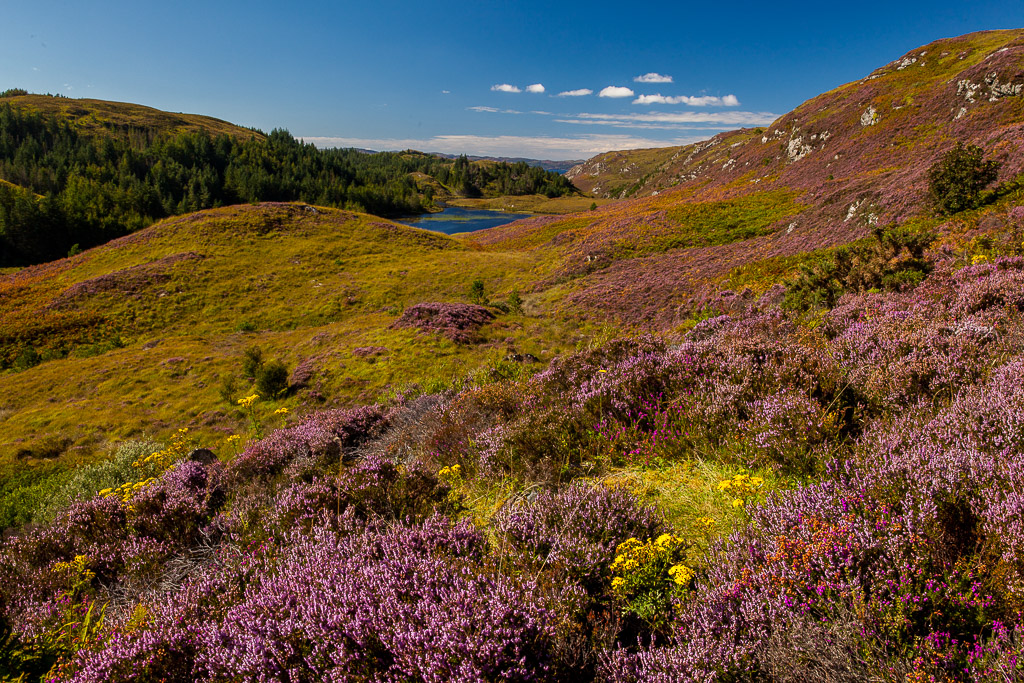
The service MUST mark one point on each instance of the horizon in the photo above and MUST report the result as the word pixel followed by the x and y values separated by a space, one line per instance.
pixel 528 81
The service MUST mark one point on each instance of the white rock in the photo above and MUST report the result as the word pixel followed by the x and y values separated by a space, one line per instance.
pixel 852 211
pixel 797 150
pixel 869 117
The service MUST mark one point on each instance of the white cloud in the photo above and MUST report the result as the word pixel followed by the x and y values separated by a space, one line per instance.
pixel 653 78
pixel 493 110
pixel 536 87
pixel 446 92
pixel 538 147
pixel 673 119
pixel 576 93
pixel 505 87
pixel 615 91
pixel 696 101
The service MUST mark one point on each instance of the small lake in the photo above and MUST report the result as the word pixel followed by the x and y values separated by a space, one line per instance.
pixel 457 219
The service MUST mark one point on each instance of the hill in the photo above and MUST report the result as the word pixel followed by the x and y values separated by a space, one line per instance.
pixel 823 175
pixel 849 140
pixel 345 462
pixel 90 171
pixel 102 117
pixel 152 325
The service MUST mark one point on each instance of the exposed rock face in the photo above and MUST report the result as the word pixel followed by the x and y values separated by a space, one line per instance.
pixel 869 117
pixel 459 322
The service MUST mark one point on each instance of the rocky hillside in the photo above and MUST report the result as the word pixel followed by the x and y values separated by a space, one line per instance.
pixel 820 176
pixel 868 141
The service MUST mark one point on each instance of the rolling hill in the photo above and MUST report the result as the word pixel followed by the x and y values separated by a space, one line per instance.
pixel 179 302
pixel 823 175
pixel 281 440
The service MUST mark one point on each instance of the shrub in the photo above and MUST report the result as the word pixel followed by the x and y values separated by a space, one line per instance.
pixel 272 379
pixel 956 180
pixel 28 358
pixel 476 292
pixel 515 302
pixel 893 261
pixel 252 361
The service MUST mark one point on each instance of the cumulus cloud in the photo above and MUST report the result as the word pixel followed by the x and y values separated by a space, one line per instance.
pixel 576 93
pixel 538 147
pixel 653 78
pixel 505 87
pixel 696 101
pixel 536 87
pixel 615 91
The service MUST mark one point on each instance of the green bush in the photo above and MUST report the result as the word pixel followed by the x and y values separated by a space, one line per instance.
pixel 476 292
pixel 28 358
pixel 272 380
pixel 252 361
pixel 955 181
pixel 515 302
pixel 892 261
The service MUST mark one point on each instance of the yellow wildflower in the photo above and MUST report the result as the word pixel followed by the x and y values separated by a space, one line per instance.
pixel 681 574
pixel 737 502
pixel 281 411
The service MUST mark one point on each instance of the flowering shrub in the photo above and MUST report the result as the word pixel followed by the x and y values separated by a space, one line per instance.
pixel 407 603
pixel 650 575
pixel 574 532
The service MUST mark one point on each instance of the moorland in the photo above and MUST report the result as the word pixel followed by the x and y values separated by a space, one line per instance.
pixel 746 410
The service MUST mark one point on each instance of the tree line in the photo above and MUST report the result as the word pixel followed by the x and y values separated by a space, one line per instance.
pixel 67 187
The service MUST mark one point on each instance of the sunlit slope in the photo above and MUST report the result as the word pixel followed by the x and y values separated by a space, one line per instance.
pixel 820 176
pixel 137 335
pixel 101 117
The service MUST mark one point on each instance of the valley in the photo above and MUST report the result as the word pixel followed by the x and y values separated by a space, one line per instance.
pixel 745 409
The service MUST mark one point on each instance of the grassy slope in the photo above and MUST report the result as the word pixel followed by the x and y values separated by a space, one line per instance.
pixel 313 284
pixel 98 116
pixel 318 285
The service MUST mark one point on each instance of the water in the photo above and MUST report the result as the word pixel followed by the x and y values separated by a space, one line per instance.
pixel 455 219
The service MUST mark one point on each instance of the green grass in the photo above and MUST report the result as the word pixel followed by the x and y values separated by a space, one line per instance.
pixel 309 285
pixel 98 116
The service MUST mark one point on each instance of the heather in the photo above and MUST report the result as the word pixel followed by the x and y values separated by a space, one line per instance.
pixel 851 511
pixel 762 426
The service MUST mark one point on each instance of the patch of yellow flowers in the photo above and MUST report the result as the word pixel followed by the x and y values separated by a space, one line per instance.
pixel 248 401
pixel 642 565
pixel 741 487
pixel 154 464
pixel 78 568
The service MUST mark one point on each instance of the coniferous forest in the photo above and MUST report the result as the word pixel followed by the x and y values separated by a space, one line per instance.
pixel 67 189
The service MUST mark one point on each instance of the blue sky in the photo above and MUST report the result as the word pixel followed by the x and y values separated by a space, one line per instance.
pixel 430 75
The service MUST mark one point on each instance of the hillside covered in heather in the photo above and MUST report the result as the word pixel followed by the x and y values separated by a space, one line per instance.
pixel 764 425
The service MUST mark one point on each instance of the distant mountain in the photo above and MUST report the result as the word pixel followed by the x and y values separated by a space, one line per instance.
pixel 546 164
